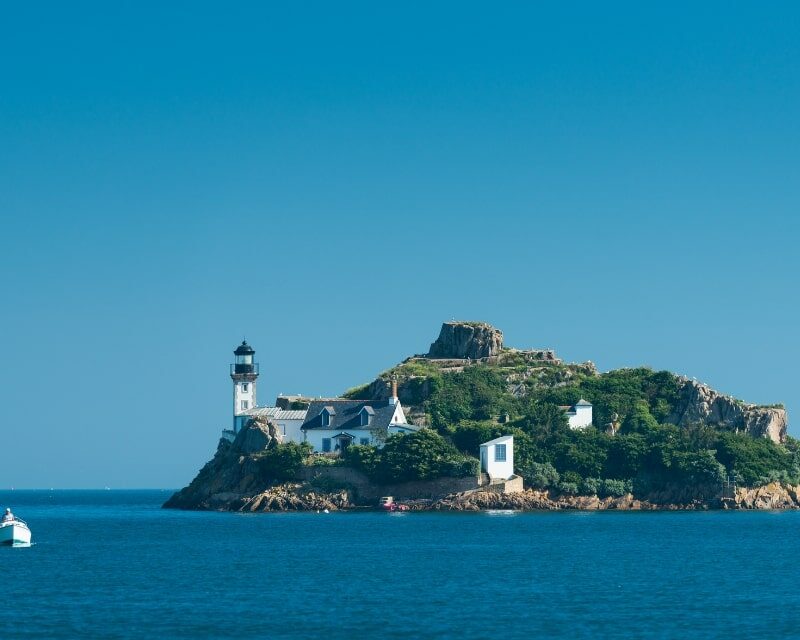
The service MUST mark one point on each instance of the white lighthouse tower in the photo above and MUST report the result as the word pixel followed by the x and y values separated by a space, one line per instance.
pixel 244 373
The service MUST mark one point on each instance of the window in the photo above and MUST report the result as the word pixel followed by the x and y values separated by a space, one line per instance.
pixel 500 453
pixel 244 404
pixel 365 415
pixel 364 441
pixel 326 419
pixel 326 444
pixel 244 387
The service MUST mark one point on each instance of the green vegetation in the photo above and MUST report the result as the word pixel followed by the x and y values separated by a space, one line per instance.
pixel 282 462
pixel 423 455
pixel 647 455
pixel 359 392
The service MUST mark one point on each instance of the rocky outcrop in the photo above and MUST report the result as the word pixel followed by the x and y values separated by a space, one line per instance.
pixel 411 390
pixel 533 500
pixel 771 496
pixel 699 403
pixel 257 435
pixel 223 478
pixel 235 470
pixel 467 340
pixel 292 497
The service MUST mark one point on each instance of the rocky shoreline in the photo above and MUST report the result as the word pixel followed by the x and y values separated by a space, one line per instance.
pixel 301 497
pixel 241 478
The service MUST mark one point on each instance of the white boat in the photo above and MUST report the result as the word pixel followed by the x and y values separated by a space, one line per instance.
pixel 14 532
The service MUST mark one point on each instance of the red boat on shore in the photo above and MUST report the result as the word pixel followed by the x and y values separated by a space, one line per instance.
pixel 388 504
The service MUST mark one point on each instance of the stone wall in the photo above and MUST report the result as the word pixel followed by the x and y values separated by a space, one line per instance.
pixel 512 485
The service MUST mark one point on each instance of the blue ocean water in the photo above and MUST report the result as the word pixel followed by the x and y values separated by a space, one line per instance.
pixel 112 564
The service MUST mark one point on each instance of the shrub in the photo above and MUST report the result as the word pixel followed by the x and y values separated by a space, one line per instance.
pixel 752 459
pixel 569 488
pixel 323 461
pixel 476 393
pixel 462 468
pixel 615 488
pixel 325 484
pixel 541 475
pixel 469 435
pixel 590 486
pixel 283 461
pixel 699 467
pixel 362 457
pixel 360 392
pixel 422 455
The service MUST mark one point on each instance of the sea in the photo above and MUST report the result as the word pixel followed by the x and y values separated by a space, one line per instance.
pixel 113 564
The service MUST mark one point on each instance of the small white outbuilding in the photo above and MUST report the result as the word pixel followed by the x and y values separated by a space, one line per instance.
pixel 497 457
pixel 579 414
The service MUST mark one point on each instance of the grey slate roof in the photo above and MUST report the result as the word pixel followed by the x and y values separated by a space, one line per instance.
pixel 347 414
pixel 276 413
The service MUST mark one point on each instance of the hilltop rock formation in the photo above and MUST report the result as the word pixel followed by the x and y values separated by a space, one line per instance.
pixel 699 403
pixel 467 340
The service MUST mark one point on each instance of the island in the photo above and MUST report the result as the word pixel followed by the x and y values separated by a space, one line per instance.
pixel 473 424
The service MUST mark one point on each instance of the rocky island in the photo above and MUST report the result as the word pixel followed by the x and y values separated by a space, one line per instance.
pixel 655 440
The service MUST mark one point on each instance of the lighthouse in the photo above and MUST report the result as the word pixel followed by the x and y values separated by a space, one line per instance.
pixel 244 373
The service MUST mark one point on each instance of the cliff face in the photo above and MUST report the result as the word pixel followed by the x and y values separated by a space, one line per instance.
pixel 699 403
pixel 233 470
pixel 467 340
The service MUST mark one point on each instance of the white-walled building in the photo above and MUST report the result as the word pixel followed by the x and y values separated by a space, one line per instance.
pixel 289 421
pixel 244 373
pixel 333 424
pixel 497 458
pixel 579 414
pixel 328 425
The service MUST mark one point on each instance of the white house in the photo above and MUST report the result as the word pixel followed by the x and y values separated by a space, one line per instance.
pixel 497 457
pixel 579 414
pixel 333 424
pixel 329 425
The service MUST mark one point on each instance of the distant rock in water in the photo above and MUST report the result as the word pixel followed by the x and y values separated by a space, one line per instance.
pixel 467 340
pixel 699 403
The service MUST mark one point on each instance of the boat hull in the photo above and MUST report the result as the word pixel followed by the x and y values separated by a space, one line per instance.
pixel 14 533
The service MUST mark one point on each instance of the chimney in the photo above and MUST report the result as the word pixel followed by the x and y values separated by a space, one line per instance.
pixel 393 398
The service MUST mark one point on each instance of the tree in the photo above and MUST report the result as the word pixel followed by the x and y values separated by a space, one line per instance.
pixel 540 475
pixel 422 455
pixel 640 420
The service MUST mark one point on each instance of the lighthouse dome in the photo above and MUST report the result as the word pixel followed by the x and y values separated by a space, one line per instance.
pixel 244 349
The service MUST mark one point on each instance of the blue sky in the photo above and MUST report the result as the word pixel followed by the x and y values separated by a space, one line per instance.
pixel 333 182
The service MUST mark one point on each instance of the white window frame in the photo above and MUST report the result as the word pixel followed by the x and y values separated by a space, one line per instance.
pixel 244 405
pixel 497 449
pixel 244 387
pixel 326 418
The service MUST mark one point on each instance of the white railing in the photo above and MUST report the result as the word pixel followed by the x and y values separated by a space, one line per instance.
pixel 14 521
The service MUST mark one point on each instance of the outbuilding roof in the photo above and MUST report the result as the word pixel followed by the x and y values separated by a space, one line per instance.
pixel 500 440
pixel 570 408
